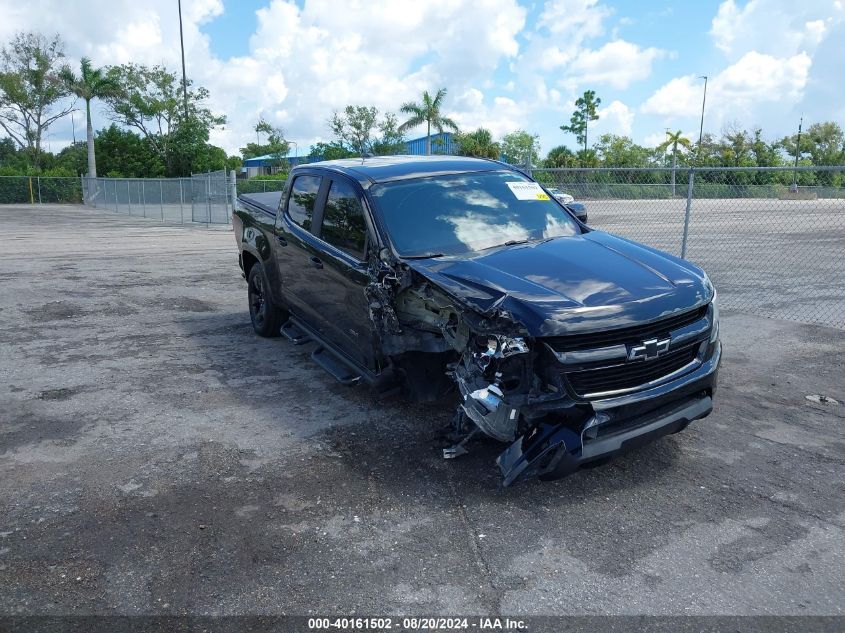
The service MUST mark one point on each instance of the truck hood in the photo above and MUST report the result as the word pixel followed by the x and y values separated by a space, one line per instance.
pixel 572 284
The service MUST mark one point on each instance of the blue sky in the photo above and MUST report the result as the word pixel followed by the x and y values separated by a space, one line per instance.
pixel 507 64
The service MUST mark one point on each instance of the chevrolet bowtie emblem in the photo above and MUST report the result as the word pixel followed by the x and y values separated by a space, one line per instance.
pixel 649 349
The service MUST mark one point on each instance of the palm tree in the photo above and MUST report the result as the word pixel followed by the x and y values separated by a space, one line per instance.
pixel 478 143
pixel 674 139
pixel 91 83
pixel 427 112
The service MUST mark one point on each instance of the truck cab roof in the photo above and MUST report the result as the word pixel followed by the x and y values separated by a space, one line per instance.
pixel 389 168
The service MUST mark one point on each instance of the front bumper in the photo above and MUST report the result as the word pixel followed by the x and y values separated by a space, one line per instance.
pixel 551 451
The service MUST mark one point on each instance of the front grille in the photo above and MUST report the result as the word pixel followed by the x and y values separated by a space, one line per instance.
pixel 630 374
pixel 606 338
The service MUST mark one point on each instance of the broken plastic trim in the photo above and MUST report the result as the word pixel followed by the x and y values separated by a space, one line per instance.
pixel 549 451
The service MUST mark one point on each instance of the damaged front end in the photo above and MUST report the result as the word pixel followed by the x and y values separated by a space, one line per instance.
pixel 524 391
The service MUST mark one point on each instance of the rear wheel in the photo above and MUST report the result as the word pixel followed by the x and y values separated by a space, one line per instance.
pixel 267 317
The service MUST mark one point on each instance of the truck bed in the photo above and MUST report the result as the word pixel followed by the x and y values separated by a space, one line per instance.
pixel 267 201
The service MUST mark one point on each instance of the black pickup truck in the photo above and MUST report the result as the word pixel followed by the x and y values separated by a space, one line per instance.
pixel 435 273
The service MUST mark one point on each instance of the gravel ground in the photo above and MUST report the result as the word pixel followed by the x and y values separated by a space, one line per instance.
pixel 158 458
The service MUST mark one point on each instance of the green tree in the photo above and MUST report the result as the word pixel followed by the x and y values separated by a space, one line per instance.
pixel 150 100
pixel 123 153
pixel 353 128
pixel 359 131
pixel 330 151
pixel 91 83
pixel 73 158
pixel 521 148
pixel 276 146
pixel 586 108
pixel 30 89
pixel 428 112
pixel 673 140
pixel 392 140
pixel 479 143
pixel 560 156
pixel 12 159
pixel 620 151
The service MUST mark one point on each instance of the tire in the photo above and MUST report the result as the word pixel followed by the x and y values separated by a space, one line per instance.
pixel 266 316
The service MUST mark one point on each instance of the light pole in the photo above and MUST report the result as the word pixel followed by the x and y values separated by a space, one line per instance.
pixel 701 129
pixel 184 76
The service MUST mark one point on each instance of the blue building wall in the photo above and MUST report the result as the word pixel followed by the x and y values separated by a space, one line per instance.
pixel 440 144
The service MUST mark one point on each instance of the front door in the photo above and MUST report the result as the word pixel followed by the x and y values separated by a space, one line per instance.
pixel 298 249
pixel 343 303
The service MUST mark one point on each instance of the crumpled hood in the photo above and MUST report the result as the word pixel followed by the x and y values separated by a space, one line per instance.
pixel 572 284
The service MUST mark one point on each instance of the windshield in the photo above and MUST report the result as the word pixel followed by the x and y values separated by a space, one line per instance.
pixel 460 213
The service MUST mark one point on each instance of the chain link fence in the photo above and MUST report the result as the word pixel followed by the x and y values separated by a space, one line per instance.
pixel 202 198
pixel 40 190
pixel 771 239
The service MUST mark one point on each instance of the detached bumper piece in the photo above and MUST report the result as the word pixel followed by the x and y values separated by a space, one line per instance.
pixel 552 451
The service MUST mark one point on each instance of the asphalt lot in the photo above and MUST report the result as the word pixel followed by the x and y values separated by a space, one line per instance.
pixel 777 258
pixel 158 458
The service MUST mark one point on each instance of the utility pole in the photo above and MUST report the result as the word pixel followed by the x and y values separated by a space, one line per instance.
pixel 701 129
pixel 794 187
pixel 184 76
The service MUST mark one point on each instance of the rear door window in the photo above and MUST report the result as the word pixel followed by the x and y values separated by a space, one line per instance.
pixel 343 220
pixel 303 199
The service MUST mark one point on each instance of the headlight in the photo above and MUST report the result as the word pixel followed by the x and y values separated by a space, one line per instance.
pixel 714 330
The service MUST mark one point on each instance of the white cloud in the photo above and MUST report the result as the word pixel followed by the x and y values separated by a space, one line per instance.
pixel 752 81
pixel 776 27
pixel 679 97
pixel 616 118
pixel 574 18
pixel 618 64
pixel 302 62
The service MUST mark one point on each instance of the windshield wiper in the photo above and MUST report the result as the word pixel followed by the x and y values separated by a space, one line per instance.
pixel 425 256
pixel 508 243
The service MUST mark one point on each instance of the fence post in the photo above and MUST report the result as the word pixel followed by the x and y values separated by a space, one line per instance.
pixel 82 188
pixel 687 212
pixel 161 196
pixel 129 196
pixel 38 179
pixel 233 177
pixel 143 198
pixel 207 199
pixel 181 200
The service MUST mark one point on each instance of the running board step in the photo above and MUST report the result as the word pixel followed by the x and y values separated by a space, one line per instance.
pixel 294 334
pixel 336 367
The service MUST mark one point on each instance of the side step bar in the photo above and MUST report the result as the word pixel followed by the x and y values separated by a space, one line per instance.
pixel 295 334
pixel 335 366
pixel 343 369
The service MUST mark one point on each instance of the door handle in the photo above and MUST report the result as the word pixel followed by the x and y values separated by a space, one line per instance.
pixel 282 240
pixel 316 263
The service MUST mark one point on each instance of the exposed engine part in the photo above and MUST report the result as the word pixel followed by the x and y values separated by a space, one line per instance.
pixel 386 282
pixel 497 346
pixel 459 449
pixel 486 407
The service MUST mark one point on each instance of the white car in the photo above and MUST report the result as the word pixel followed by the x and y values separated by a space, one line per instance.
pixel 561 196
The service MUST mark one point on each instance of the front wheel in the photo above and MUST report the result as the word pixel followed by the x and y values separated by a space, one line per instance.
pixel 267 317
